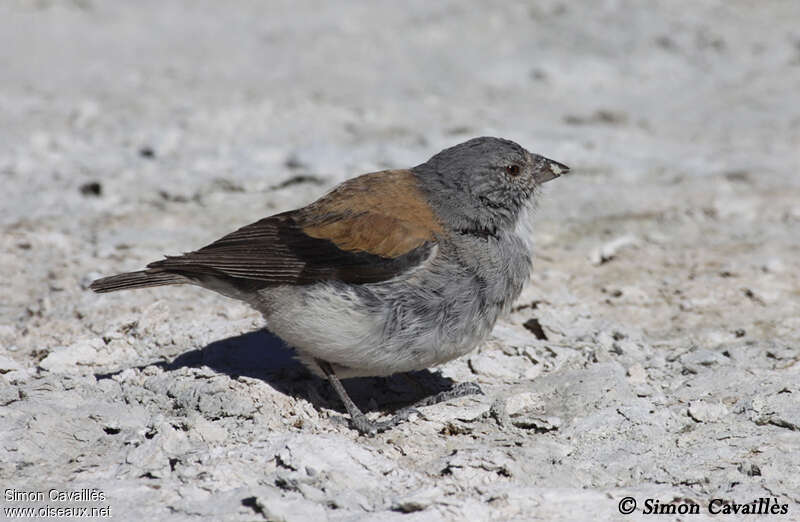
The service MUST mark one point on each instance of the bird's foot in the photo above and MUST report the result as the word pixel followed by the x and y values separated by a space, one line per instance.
pixel 462 389
pixel 364 426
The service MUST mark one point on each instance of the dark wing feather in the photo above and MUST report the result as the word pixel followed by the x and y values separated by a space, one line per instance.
pixel 275 250
pixel 369 229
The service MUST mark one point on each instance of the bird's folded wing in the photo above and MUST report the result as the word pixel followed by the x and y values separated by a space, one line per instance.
pixel 369 229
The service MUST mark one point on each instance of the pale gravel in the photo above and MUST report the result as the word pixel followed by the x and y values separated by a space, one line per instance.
pixel 666 282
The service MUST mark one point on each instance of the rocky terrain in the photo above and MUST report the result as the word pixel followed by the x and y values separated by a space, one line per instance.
pixel 654 354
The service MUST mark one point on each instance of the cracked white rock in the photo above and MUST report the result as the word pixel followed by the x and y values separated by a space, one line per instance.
pixel 418 500
pixel 292 508
pixel 66 359
pixel 7 364
pixel 637 374
pixel 703 411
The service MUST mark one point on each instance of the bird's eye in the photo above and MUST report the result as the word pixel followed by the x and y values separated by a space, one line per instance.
pixel 513 170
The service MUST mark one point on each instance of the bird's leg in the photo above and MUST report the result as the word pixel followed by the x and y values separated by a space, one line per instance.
pixel 357 418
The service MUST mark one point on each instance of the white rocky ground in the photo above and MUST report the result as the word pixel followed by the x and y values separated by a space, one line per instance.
pixel 655 354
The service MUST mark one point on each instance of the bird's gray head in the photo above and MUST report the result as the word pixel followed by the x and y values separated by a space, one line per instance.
pixel 484 183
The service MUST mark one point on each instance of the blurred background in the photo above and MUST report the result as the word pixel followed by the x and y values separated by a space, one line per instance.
pixel 170 96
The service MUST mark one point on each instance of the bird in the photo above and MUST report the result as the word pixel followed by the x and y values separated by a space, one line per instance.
pixel 389 272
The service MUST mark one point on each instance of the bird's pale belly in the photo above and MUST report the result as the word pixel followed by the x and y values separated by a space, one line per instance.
pixel 370 334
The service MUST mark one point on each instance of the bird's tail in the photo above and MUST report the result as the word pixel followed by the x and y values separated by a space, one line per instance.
pixel 140 279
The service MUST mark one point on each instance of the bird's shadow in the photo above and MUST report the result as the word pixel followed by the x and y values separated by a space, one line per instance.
pixel 262 355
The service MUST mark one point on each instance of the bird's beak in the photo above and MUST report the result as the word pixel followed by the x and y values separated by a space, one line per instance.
pixel 547 169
